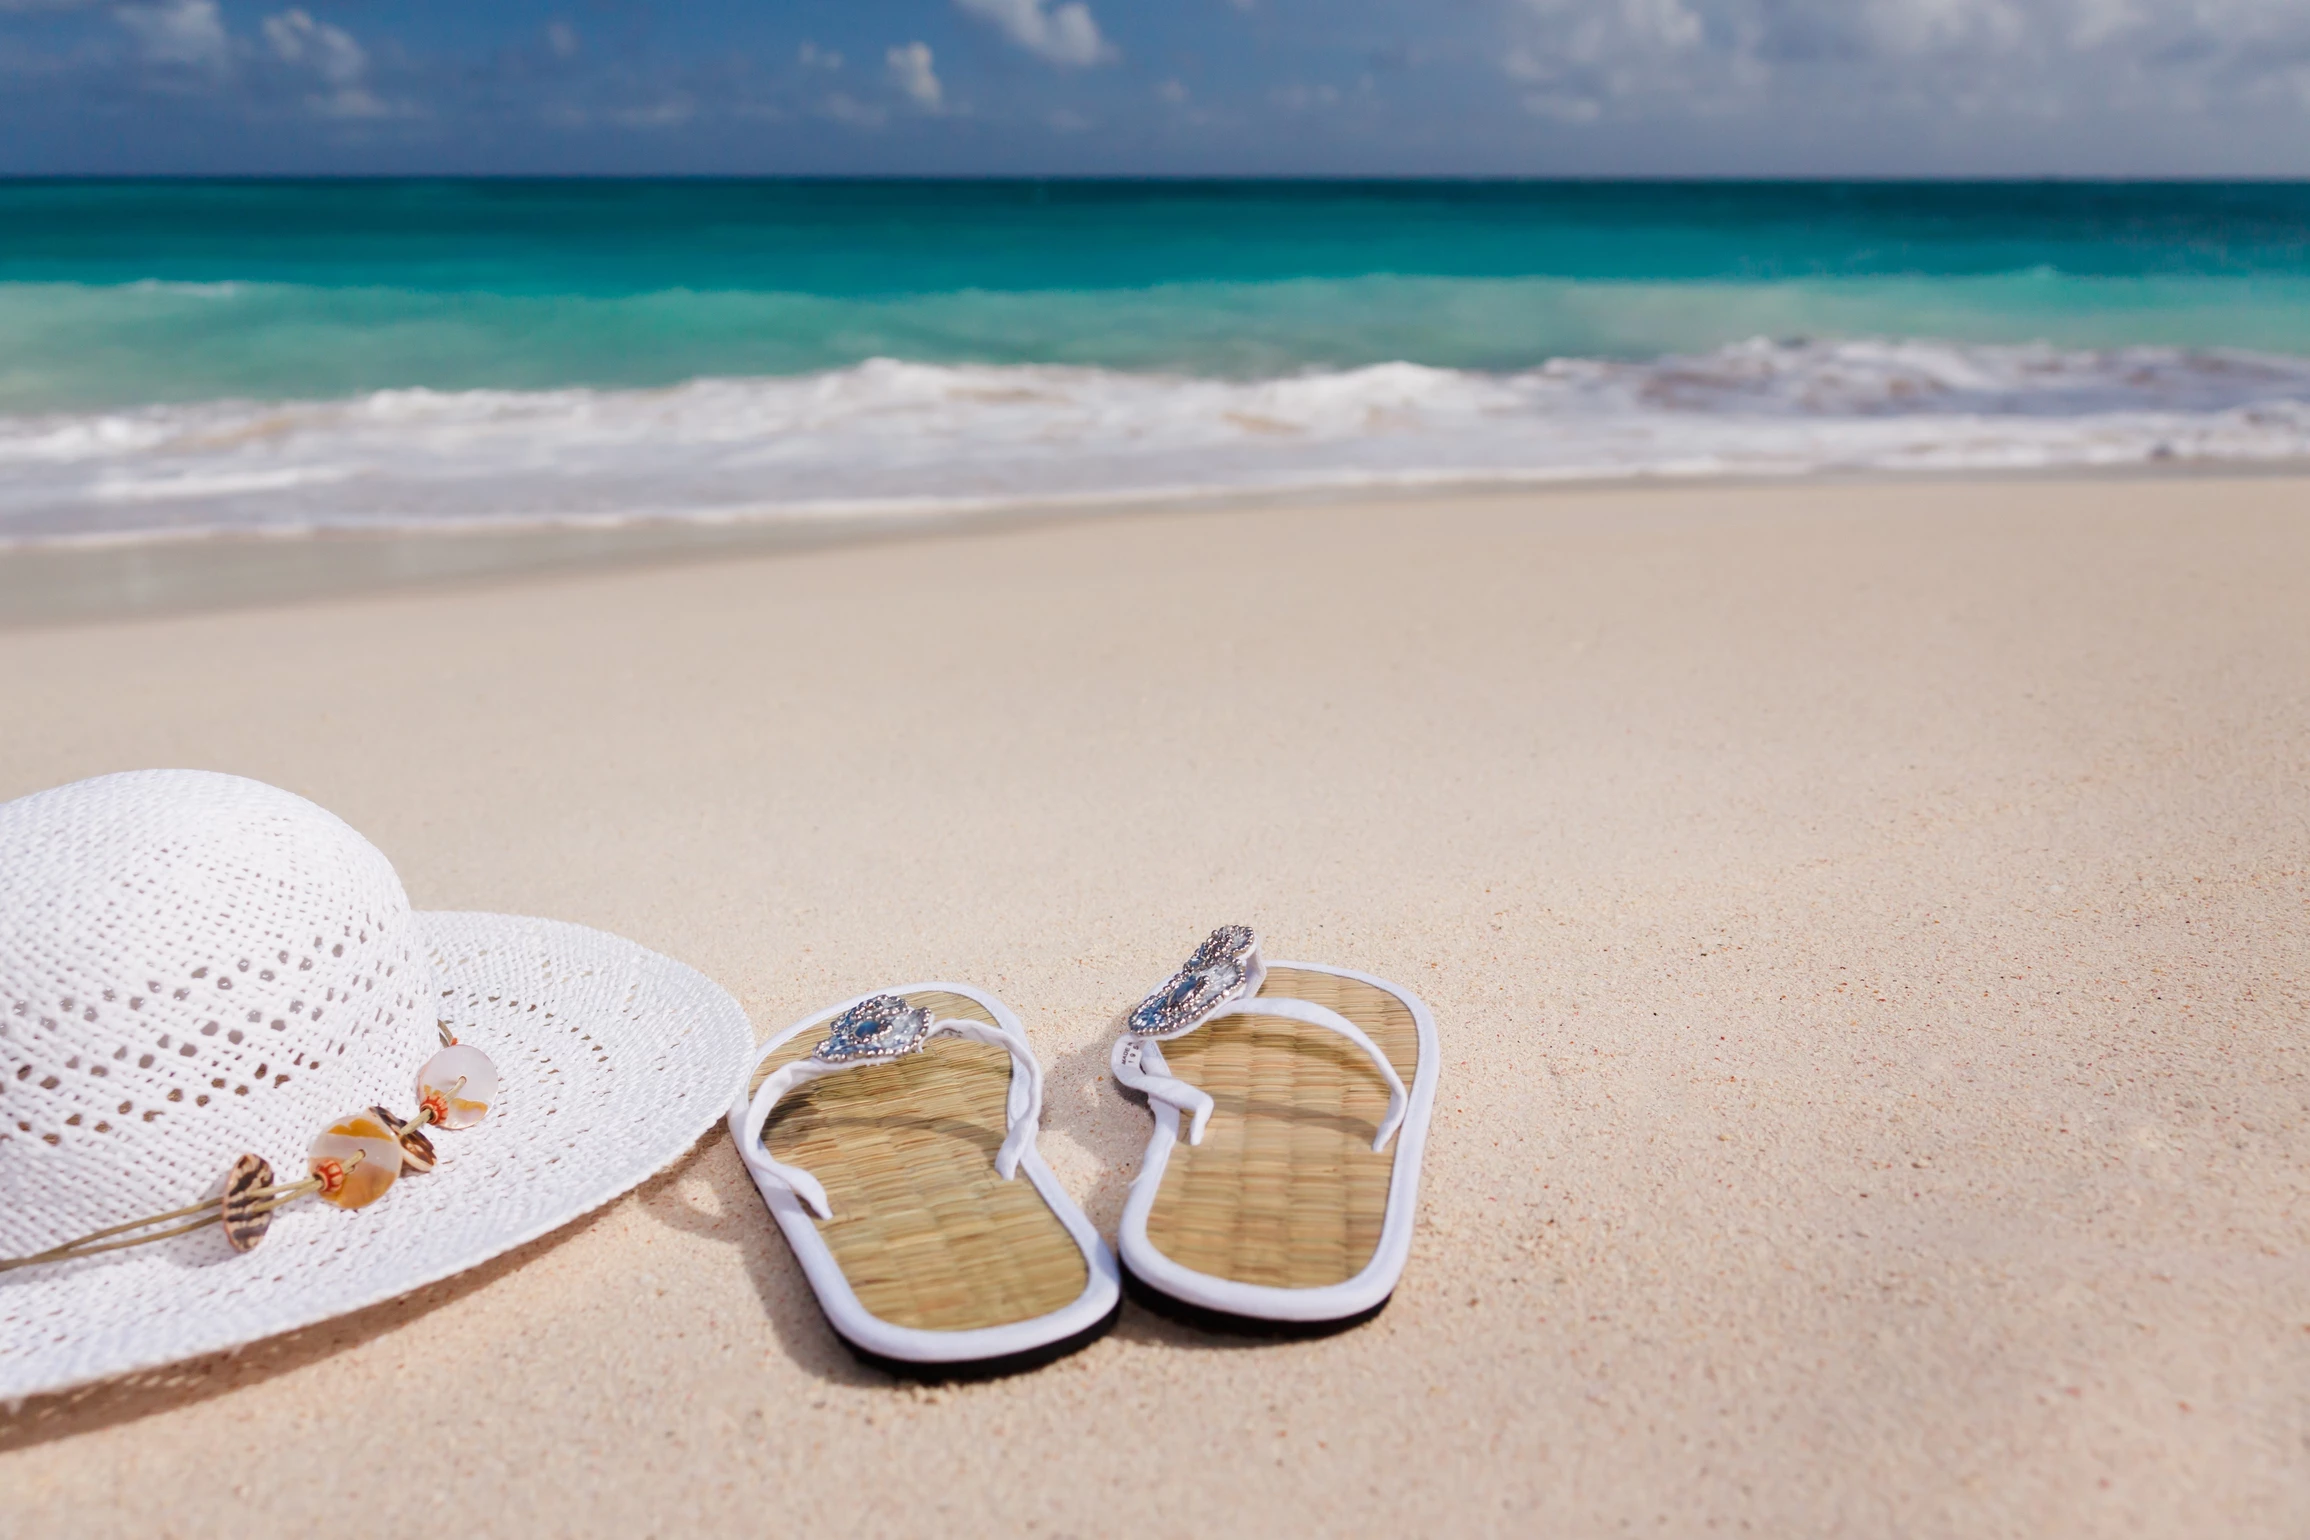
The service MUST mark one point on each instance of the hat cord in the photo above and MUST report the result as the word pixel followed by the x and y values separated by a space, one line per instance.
pixel 239 1205
pixel 277 1194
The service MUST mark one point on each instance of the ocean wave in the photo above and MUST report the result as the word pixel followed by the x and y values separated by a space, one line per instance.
pixel 182 288
pixel 90 347
pixel 889 436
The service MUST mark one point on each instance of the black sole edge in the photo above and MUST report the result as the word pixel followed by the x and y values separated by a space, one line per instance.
pixel 985 1368
pixel 1149 1297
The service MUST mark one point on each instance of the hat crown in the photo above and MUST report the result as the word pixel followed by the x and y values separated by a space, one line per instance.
pixel 192 966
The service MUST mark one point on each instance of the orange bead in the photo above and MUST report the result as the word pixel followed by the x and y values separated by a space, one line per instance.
pixel 460 1080
pixel 357 1159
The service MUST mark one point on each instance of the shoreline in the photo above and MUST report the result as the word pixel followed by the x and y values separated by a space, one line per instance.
pixel 66 582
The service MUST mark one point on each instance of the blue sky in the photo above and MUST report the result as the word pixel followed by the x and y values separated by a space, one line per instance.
pixel 1487 87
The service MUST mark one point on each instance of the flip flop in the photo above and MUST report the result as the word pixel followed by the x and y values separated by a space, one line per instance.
pixel 1288 1207
pixel 888 1156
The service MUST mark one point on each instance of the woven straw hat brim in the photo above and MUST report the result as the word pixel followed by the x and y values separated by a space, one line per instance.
pixel 611 1059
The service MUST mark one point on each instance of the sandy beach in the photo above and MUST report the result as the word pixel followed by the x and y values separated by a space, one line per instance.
pixel 1869 926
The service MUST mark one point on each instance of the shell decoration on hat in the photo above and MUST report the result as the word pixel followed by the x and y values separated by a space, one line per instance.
pixel 182 977
pixel 215 994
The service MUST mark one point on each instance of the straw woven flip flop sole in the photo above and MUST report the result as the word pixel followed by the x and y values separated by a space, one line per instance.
pixel 927 1260
pixel 1283 1220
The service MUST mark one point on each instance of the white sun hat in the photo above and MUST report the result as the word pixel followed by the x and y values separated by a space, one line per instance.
pixel 194 967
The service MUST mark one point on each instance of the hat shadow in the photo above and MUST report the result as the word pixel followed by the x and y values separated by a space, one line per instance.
pixel 705 1193
pixel 721 1205
pixel 128 1398
pixel 670 1198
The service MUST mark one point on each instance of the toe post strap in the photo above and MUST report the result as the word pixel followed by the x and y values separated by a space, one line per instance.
pixel 1221 980
pixel 877 1030
pixel 1138 1063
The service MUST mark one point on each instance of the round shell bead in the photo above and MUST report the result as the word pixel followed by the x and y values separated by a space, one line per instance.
pixel 464 1079
pixel 365 1158
pixel 417 1154
pixel 244 1207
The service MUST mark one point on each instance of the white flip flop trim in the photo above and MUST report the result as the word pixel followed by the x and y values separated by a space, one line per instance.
pixel 1103 1282
pixel 1332 1302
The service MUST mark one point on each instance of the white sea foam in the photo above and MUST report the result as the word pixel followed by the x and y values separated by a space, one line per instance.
pixel 903 437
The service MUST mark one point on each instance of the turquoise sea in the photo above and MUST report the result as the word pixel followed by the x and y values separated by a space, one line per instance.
pixel 185 357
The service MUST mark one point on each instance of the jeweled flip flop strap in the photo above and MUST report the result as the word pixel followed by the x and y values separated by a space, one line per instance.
pixel 1223 979
pixel 877 1030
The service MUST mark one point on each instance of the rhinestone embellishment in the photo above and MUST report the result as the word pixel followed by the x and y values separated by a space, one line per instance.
pixel 1217 973
pixel 879 1027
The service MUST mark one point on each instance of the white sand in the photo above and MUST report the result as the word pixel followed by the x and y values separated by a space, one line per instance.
pixel 1869 928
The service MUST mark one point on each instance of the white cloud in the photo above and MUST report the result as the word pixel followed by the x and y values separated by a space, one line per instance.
pixel 910 70
pixel 1935 26
pixel 1556 92
pixel 329 52
pixel 342 65
pixel 1062 34
pixel 1665 22
pixel 2094 22
pixel 813 57
pixel 562 38
pixel 1881 61
pixel 190 33
pixel 1171 91
pixel 857 114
